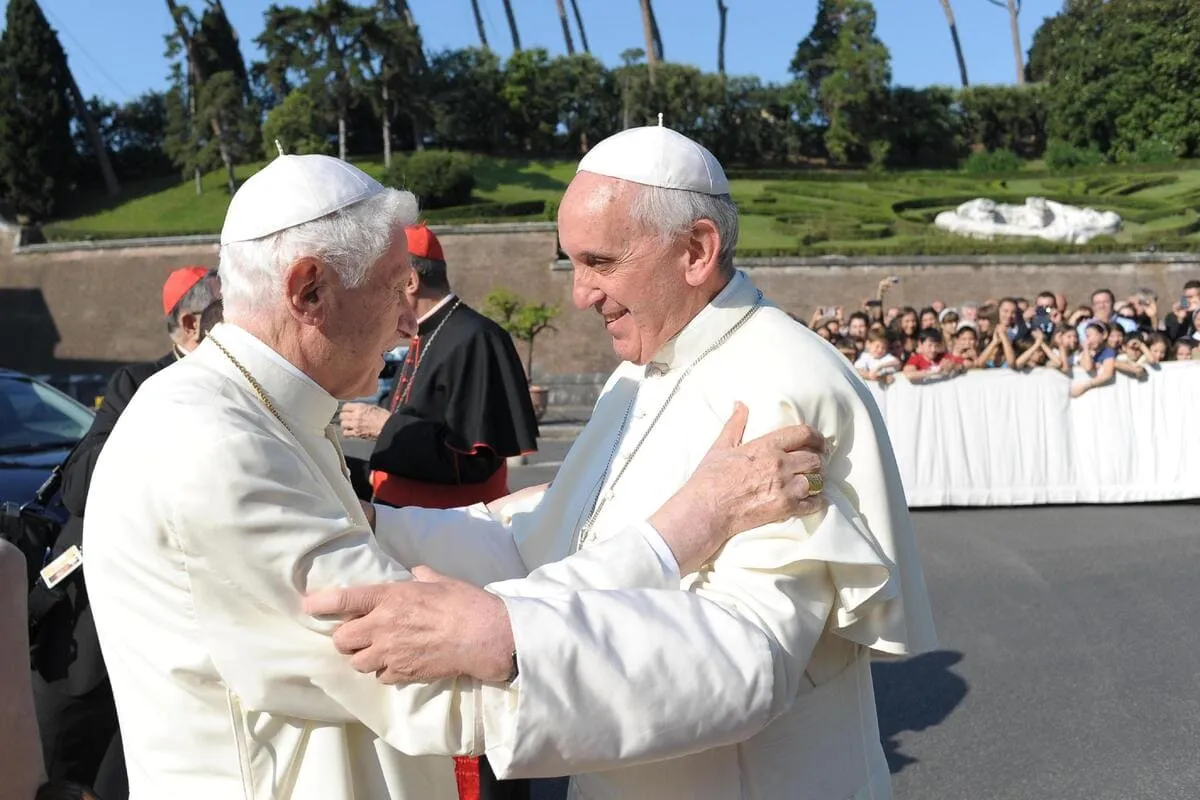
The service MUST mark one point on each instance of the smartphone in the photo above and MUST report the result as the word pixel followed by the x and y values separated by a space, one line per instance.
pixel 1183 301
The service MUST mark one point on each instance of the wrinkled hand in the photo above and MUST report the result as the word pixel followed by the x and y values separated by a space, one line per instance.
pixel 362 420
pixel 740 487
pixel 420 630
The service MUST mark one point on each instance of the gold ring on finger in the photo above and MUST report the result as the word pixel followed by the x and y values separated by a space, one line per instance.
pixel 815 482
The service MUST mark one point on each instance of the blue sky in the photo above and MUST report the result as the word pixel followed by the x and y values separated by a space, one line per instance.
pixel 115 47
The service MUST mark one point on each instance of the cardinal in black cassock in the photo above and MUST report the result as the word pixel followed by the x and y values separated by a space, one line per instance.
pixel 461 406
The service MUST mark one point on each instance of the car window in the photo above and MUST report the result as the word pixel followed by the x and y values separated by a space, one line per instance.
pixel 34 415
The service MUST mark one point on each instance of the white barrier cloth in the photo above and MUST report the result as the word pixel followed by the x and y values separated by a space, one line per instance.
pixel 1004 438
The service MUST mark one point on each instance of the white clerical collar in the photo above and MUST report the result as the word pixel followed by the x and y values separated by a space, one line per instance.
pixel 295 395
pixel 725 310
pixel 441 304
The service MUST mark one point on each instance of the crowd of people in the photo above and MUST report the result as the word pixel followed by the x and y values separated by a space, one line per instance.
pixel 1101 338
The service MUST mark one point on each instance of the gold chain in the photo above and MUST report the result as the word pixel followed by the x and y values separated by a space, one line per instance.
pixel 258 389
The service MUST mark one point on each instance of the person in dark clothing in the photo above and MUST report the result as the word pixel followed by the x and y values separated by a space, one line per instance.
pixel 1180 323
pixel 461 408
pixel 77 718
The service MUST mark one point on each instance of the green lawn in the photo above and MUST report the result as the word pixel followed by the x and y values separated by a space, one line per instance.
pixel 783 213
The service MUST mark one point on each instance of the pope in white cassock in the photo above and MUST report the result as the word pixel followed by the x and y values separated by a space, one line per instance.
pixel 222 499
pixel 757 676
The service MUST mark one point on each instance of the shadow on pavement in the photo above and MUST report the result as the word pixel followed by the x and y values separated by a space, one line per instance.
pixel 913 695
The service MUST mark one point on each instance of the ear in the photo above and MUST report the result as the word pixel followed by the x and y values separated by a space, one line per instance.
pixel 189 323
pixel 306 288
pixel 413 284
pixel 704 248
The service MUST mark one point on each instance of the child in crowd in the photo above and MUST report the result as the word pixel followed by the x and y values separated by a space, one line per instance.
pixel 931 361
pixel 876 363
pixel 1096 358
pixel 966 344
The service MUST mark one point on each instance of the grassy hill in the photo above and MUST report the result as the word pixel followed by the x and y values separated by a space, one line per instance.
pixel 783 212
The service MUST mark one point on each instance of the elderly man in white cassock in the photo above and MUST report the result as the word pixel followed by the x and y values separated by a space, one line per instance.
pixel 756 677
pixel 222 499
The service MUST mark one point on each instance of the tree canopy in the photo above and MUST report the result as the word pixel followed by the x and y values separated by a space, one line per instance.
pixel 1110 79
pixel 37 154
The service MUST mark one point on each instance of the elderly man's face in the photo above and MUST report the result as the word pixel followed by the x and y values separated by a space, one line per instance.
pixel 630 276
pixel 366 322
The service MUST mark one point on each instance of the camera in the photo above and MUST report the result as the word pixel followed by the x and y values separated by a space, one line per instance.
pixel 1042 321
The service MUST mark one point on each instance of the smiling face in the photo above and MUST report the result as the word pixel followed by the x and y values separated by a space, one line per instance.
pixel 1102 306
pixel 1007 314
pixel 644 286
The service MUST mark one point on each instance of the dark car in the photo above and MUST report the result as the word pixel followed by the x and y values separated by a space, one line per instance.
pixel 38 427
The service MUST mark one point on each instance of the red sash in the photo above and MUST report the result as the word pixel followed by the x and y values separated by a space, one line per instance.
pixel 397 491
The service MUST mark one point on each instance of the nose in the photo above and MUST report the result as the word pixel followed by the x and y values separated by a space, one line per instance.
pixel 584 293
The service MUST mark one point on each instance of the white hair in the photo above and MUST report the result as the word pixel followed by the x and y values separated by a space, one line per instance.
pixel 674 211
pixel 349 241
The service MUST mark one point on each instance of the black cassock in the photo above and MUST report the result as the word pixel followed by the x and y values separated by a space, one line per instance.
pixel 461 408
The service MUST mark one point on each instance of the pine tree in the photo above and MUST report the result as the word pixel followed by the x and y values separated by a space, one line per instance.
pixel 37 156
pixel 846 69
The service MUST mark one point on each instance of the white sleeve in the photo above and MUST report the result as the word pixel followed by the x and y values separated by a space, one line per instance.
pixel 660 674
pixel 253 548
pixel 464 543
pixel 468 544
pixel 720 662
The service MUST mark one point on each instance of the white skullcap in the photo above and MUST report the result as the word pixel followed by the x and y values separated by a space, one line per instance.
pixel 657 156
pixel 292 190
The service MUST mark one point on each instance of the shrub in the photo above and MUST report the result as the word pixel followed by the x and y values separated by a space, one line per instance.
pixel 1151 151
pixel 292 123
pixel 880 150
pixel 992 162
pixel 439 178
pixel 1064 155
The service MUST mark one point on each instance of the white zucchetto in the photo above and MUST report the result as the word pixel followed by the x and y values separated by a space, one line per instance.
pixel 657 156
pixel 292 190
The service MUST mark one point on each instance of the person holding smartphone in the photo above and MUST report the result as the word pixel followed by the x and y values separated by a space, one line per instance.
pixel 1180 323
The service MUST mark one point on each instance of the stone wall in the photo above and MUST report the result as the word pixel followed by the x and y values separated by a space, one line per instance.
pixel 68 309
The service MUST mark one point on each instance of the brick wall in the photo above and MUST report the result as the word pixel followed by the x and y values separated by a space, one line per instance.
pixel 64 310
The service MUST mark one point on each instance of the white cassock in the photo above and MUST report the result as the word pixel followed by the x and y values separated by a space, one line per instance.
pixel 755 682
pixel 208 521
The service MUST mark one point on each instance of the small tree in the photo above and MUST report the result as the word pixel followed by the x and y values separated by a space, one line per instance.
pixel 522 320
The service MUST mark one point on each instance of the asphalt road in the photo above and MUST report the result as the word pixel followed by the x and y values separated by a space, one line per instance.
pixel 1068 661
